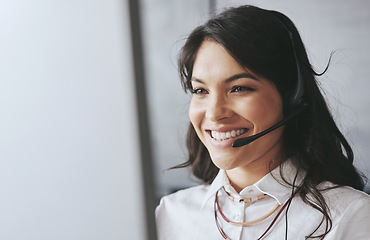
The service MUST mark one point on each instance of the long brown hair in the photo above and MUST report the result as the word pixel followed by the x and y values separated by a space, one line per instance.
pixel 258 39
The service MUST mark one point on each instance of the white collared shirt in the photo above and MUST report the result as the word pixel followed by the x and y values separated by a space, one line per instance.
pixel 189 214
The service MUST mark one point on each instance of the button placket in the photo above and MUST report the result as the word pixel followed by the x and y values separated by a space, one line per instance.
pixel 243 206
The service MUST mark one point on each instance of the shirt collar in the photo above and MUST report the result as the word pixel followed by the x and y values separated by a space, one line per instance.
pixel 272 184
pixel 220 180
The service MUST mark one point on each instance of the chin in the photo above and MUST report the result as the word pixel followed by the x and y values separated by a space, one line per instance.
pixel 223 162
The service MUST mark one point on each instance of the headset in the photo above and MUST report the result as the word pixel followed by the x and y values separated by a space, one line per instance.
pixel 296 106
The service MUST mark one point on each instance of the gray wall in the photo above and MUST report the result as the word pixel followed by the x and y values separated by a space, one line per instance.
pixel 325 26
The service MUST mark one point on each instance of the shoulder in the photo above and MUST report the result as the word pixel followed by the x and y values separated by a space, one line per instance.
pixel 190 197
pixel 350 212
pixel 181 211
pixel 341 198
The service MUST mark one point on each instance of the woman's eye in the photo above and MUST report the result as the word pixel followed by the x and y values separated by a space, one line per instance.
pixel 241 89
pixel 199 91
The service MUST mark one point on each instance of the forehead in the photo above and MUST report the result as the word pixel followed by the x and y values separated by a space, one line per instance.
pixel 214 65
pixel 213 61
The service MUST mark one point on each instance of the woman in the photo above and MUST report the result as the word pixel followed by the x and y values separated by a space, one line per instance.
pixel 247 69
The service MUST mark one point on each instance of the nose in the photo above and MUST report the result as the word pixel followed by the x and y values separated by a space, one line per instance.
pixel 218 108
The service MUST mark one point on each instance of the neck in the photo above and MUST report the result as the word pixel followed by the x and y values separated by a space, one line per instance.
pixel 256 167
pixel 247 175
pixel 241 178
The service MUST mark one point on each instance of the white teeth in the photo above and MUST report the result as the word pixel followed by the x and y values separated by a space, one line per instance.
pixel 227 135
pixel 233 133
pixel 215 134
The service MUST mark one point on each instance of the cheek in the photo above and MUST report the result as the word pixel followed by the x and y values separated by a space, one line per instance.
pixel 195 115
pixel 263 110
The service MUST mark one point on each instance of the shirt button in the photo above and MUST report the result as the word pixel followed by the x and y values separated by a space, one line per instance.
pixel 237 218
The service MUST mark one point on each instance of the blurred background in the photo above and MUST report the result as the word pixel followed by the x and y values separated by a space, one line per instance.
pixel 92 110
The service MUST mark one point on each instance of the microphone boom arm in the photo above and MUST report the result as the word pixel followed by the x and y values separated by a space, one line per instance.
pixel 244 141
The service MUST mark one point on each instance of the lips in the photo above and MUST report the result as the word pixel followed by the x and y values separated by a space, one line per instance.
pixel 221 136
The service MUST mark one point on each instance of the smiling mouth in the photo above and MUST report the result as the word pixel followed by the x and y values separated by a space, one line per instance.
pixel 227 135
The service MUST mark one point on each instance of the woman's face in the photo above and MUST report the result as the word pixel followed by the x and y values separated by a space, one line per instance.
pixel 231 102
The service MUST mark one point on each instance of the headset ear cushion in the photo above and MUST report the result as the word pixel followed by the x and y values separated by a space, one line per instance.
pixel 294 98
pixel 288 105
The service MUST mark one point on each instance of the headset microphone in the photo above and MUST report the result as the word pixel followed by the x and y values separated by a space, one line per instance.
pixel 244 141
pixel 296 103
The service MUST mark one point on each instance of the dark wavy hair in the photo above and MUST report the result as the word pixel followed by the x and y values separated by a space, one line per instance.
pixel 259 40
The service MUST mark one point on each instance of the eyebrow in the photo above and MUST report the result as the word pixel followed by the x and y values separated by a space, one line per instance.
pixel 230 79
